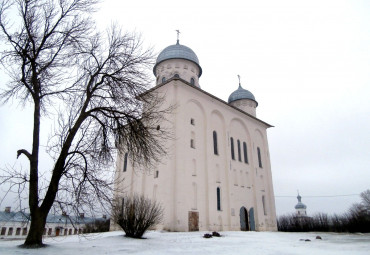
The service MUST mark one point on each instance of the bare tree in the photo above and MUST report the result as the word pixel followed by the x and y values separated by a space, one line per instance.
pixel 357 219
pixel 365 200
pixel 137 214
pixel 94 83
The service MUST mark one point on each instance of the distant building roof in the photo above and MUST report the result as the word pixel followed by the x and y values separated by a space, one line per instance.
pixel 24 217
pixel 14 216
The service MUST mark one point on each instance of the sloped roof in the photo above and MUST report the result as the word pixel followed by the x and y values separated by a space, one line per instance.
pixel 23 217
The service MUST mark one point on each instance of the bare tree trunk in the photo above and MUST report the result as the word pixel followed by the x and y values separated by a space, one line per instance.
pixel 39 214
pixel 34 237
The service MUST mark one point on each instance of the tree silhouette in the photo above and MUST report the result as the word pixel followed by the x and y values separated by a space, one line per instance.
pixel 94 84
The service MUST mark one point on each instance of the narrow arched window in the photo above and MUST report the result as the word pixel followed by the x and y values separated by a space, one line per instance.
pixel 177 75
pixel 125 162
pixel 194 170
pixel 192 81
pixel 192 145
pixel 215 149
pixel 218 199
pixel 259 157
pixel 232 148
pixel 155 191
pixel 194 206
pixel 192 140
pixel 245 153
pixel 239 152
pixel 122 205
pixel 264 205
pixel 163 79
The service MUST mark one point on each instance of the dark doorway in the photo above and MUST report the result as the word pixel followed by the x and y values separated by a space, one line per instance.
pixel 193 221
pixel 244 225
pixel 251 220
pixel 57 232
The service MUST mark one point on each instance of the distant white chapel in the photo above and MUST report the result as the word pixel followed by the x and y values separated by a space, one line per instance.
pixel 217 174
pixel 300 208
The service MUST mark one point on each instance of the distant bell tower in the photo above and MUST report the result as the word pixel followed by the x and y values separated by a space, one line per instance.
pixel 300 207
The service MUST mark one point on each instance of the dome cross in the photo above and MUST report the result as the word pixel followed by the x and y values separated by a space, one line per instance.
pixel 178 36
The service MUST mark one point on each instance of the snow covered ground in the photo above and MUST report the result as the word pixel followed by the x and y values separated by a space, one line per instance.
pixel 258 243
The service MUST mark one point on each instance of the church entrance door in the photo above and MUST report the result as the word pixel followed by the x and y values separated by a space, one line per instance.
pixel 251 219
pixel 244 226
pixel 193 221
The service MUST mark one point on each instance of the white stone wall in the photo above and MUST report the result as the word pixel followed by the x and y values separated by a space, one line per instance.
pixel 188 177
pixel 301 212
pixel 249 106
pixel 186 70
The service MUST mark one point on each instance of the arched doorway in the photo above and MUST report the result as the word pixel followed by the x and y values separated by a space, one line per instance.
pixel 251 220
pixel 244 225
pixel 193 221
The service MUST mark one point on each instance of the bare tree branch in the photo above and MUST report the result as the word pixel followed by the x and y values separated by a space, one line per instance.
pixel 25 152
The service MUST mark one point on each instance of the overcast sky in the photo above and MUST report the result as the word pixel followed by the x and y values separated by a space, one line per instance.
pixel 307 64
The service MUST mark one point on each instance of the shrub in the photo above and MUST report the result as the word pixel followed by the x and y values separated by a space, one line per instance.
pixel 137 214
pixel 97 226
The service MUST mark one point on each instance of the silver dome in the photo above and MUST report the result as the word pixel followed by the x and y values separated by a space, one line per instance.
pixel 177 51
pixel 241 93
pixel 300 205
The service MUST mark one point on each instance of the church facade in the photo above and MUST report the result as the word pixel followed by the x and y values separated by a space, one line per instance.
pixel 216 175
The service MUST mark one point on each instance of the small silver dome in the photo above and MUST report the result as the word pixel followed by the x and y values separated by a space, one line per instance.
pixel 177 51
pixel 300 205
pixel 241 93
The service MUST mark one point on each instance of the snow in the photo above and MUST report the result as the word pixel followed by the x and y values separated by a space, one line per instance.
pixel 156 242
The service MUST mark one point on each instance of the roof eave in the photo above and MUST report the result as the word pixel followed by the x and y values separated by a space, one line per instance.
pixel 200 68
pixel 214 97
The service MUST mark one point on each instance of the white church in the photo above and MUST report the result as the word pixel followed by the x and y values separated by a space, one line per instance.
pixel 217 174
